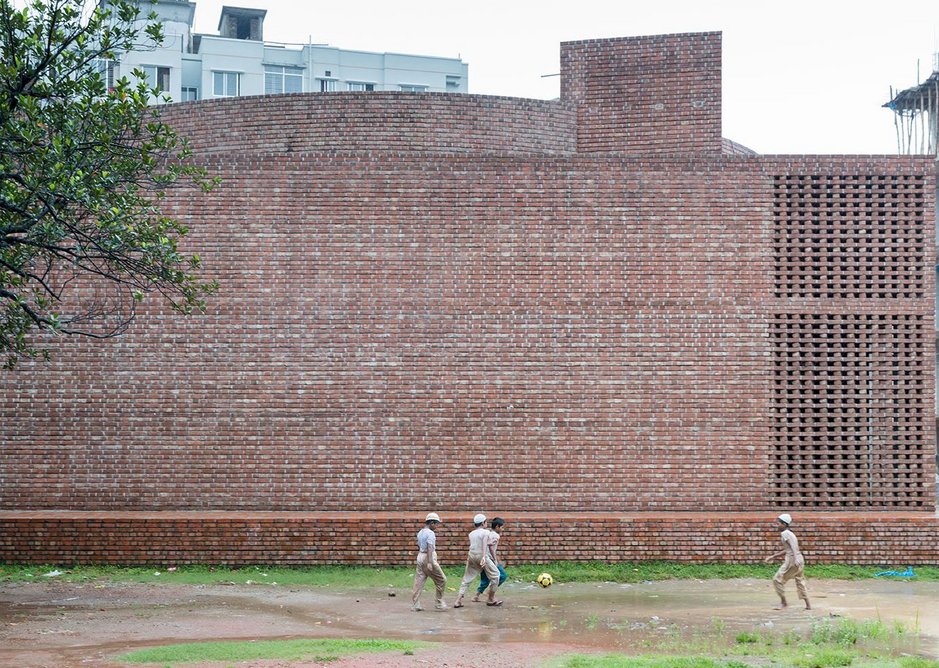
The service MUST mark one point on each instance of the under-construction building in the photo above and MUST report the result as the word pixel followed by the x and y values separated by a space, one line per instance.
pixel 916 115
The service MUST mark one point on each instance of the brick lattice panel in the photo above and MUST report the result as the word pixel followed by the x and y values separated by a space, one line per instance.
pixel 848 425
pixel 850 236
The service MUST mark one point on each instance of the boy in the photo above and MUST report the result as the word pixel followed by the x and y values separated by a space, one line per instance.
pixel 495 527
pixel 479 560
pixel 427 565
pixel 793 566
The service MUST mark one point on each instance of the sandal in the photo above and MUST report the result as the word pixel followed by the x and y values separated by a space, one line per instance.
pixel 493 603
pixel 457 605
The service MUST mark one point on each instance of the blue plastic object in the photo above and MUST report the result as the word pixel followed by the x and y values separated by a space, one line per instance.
pixel 908 573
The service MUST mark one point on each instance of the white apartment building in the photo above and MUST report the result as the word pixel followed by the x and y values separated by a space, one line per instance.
pixel 237 61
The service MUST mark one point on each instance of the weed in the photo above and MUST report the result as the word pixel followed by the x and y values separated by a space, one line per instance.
pixel 319 649
pixel 827 657
pixel 917 662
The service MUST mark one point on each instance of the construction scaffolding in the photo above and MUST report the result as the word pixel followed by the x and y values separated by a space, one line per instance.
pixel 916 116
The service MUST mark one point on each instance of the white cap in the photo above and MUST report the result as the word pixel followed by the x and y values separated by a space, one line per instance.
pixel 432 517
pixel 479 519
pixel 785 517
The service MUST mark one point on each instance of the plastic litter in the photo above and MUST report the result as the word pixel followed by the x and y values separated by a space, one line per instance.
pixel 908 573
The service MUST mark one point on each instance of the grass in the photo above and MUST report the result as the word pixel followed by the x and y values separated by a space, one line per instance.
pixel 319 650
pixel 859 644
pixel 828 644
pixel 402 577
pixel 623 661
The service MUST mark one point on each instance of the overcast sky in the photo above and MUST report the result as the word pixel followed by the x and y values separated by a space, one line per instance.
pixel 798 76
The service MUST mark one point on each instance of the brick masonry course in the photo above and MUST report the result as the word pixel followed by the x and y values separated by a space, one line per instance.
pixel 296 538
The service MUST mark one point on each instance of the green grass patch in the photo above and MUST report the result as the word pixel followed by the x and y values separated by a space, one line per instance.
pixel 623 661
pixel 917 662
pixel 662 570
pixel 318 649
pixel 403 576
pixel 826 644
pixel 316 576
pixel 823 658
pixel 829 657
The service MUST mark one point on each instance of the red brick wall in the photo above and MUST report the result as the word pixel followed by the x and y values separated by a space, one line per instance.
pixel 394 332
pixel 384 122
pixel 167 538
pixel 481 319
pixel 653 95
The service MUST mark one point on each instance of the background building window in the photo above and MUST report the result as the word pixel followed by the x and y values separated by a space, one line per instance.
pixel 412 88
pixel 359 85
pixel 157 77
pixel 453 82
pixel 190 94
pixel 280 79
pixel 226 84
pixel 327 85
pixel 108 71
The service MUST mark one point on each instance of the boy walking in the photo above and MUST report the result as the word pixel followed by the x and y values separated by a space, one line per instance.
pixel 427 566
pixel 793 566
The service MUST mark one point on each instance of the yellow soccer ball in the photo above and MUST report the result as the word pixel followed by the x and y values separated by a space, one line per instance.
pixel 545 580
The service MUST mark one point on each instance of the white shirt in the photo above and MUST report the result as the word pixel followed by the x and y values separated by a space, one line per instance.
pixel 426 540
pixel 793 556
pixel 479 539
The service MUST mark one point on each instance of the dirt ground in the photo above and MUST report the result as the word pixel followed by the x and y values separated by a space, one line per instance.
pixel 59 624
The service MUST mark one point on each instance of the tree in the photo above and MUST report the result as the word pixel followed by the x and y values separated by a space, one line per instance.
pixel 84 165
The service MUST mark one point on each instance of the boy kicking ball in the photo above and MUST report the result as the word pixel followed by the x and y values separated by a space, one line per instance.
pixel 495 527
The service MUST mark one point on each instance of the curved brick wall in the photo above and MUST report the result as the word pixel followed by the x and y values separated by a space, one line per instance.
pixel 377 121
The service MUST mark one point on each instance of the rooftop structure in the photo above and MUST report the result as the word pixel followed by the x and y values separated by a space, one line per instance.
pixel 916 112
pixel 238 62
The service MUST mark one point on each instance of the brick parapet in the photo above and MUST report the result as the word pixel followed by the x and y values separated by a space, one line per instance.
pixel 377 122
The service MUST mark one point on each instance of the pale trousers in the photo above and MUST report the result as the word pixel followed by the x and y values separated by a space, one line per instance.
pixel 791 570
pixel 427 567
pixel 475 563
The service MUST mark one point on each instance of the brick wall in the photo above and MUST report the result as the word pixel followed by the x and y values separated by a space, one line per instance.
pixel 375 538
pixel 654 95
pixel 385 122
pixel 467 317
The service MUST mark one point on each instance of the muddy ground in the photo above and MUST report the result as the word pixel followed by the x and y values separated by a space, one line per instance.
pixel 59 624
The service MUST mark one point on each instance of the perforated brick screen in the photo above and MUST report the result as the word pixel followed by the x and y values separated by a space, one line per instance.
pixel 849 236
pixel 847 425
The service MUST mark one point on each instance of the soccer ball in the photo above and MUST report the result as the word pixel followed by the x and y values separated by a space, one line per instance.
pixel 545 580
